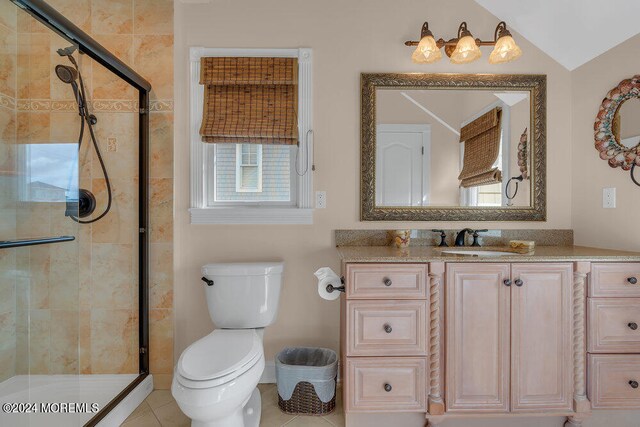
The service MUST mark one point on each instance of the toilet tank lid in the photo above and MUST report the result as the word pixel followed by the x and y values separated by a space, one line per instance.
pixel 243 269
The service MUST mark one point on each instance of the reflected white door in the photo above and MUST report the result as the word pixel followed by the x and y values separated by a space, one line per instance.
pixel 402 165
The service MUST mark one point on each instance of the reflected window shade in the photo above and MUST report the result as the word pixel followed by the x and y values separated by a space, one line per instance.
pixel 481 140
pixel 250 100
pixel 491 177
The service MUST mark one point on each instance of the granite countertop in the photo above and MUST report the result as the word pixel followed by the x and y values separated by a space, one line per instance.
pixel 434 253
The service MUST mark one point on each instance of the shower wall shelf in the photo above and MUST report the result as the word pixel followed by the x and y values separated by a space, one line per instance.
pixel 34 241
pixel 50 17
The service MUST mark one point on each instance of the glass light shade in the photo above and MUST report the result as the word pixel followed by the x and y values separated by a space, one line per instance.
pixel 466 51
pixel 426 52
pixel 505 50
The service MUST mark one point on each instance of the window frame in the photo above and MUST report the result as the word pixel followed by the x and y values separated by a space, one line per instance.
pixel 300 211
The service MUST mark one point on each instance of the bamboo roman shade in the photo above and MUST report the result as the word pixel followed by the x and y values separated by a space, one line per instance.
pixel 481 140
pixel 250 100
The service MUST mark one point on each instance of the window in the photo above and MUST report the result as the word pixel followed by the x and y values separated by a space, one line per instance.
pixel 249 168
pixel 490 195
pixel 265 176
pixel 252 183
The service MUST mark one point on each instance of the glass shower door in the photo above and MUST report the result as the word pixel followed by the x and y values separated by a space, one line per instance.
pixel 70 239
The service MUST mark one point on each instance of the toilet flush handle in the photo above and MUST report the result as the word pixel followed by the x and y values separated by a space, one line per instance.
pixel 207 281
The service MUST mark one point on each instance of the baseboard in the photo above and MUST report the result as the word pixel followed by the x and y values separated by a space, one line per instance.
pixel 269 373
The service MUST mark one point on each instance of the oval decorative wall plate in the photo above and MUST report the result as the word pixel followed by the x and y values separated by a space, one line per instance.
pixel 616 154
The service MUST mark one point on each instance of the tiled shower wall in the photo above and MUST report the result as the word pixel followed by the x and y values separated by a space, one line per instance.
pixel 140 33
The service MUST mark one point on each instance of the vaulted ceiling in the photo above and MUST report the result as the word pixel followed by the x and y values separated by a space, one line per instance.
pixel 572 32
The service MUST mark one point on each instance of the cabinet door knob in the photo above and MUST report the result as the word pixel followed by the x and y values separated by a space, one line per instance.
pixel 632 280
pixel 632 383
pixel 519 282
pixel 387 281
pixel 632 325
pixel 387 387
pixel 507 282
pixel 388 328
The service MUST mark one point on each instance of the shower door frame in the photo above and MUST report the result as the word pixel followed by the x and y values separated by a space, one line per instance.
pixel 88 46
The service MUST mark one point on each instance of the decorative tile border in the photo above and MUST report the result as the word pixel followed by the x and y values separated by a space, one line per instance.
pixel 428 238
pixel 162 105
pixel 7 101
pixel 103 105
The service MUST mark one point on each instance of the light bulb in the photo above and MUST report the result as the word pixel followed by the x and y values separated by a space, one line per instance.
pixel 506 50
pixel 466 51
pixel 427 51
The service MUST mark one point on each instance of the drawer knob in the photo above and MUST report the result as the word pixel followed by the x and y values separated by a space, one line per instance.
pixel 632 280
pixel 633 326
pixel 519 282
pixel 507 282
pixel 388 328
pixel 387 387
pixel 387 281
pixel 633 384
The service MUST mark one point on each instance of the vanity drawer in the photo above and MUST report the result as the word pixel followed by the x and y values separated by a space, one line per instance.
pixel 613 381
pixel 387 328
pixel 398 281
pixel 615 280
pixel 386 384
pixel 613 325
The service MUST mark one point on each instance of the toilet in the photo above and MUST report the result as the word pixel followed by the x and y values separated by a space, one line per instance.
pixel 215 379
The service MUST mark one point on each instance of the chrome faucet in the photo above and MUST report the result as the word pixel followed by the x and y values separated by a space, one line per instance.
pixel 460 238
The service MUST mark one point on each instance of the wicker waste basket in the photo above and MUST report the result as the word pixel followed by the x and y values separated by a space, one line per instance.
pixel 306 379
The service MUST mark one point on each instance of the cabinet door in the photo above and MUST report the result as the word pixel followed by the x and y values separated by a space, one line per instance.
pixel 477 319
pixel 541 342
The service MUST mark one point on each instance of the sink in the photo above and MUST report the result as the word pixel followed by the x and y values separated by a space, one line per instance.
pixel 478 252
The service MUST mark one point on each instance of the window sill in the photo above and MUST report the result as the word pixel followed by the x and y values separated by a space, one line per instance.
pixel 249 215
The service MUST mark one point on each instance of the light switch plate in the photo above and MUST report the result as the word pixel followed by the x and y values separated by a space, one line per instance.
pixel 321 199
pixel 609 198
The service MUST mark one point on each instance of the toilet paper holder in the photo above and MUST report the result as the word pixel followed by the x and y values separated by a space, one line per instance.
pixel 330 288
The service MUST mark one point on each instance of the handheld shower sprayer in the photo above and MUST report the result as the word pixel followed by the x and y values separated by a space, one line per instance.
pixel 69 75
pixel 86 203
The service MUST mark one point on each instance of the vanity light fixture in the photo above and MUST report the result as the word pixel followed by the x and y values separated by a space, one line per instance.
pixel 464 48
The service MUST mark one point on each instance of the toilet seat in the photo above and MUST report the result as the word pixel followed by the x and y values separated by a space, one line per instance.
pixel 218 358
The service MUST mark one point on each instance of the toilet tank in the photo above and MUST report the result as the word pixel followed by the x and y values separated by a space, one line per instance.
pixel 243 295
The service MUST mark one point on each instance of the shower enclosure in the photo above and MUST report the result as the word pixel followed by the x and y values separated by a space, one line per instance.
pixel 73 225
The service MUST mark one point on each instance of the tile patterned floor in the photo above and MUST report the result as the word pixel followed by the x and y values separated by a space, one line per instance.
pixel 160 410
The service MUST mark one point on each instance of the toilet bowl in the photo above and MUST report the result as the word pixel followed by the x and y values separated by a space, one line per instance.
pixel 215 379
pixel 216 376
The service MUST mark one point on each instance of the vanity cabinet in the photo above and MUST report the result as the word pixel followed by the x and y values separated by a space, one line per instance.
pixel 509 340
pixel 551 333
pixel 614 336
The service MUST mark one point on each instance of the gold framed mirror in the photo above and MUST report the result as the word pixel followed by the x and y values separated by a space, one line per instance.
pixel 453 147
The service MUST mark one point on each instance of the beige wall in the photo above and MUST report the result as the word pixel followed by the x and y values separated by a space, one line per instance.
pixel 347 38
pixel 594 225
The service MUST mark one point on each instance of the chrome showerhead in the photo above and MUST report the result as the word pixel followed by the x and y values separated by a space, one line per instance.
pixel 66 74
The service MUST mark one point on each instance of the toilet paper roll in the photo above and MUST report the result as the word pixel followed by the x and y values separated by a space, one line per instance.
pixel 327 276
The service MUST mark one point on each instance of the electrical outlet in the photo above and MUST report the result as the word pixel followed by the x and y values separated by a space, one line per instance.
pixel 609 198
pixel 321 199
